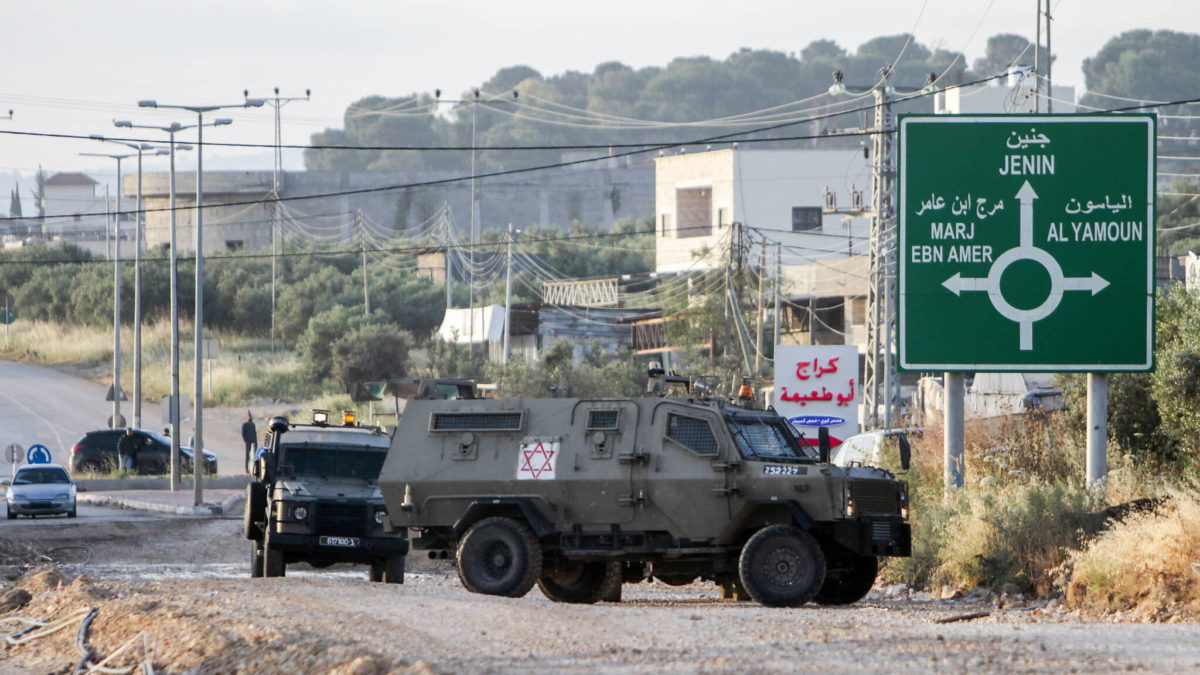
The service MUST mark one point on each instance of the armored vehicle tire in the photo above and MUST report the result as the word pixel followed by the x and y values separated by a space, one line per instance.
pixel 580 582
pixel 256 560
pixel 782 566
pixel 256 506
pixel 375 573
pixel 850 585
pixel 273 563
pixel 499 556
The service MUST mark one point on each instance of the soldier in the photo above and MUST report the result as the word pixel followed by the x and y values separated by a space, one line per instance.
pixel 249 437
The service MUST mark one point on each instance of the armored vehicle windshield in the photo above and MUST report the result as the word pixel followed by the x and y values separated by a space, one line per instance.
pixel 333 454
pixel 767 437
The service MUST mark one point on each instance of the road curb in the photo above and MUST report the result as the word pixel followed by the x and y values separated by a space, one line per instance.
pixel 101 499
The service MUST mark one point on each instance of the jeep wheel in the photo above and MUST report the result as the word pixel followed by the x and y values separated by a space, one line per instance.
pixel 782 566
pixel 273 563
pixel 581 582
pixel 851 584
pixel 255 508
pixel 8 512
pixel 499 556
pixel 256 560
pixel 393 570
pixel 390 571
pixel 91 466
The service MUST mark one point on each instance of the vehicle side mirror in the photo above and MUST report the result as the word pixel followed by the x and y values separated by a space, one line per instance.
pixel 264 468
pixel 823 444
pixel 5 482
pixel 905 452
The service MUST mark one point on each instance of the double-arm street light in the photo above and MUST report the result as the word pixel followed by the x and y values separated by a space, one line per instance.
pixel 139 226
pixel 171 130
pixel 198 403
pixel 116 420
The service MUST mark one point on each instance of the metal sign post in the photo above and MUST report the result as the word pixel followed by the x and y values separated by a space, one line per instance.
pixel 1024 241
pixel 13 453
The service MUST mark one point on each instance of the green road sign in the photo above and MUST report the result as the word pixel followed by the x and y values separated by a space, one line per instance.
pixel 1026 242
pixel 7 316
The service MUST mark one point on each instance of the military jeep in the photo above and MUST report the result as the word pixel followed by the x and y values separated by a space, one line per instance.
pixel 315 499
pixel 581 495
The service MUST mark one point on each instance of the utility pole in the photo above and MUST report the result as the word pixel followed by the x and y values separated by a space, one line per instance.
pixel 879 366
pixel 362 244
pixel 778 291
pixel 277 102
pixel 762 307
pixel 508 298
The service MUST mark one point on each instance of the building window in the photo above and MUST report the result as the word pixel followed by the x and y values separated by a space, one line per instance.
pixel 806 218
pixel 694 206
pixel 234 244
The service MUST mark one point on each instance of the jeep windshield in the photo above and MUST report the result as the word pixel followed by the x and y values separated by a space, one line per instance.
pixel 331 461
pixel 769 438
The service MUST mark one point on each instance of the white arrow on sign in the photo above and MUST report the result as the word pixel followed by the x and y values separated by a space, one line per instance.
pixel 1025 318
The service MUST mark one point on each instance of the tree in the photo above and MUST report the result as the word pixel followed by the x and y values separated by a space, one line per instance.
pixel 14 204
pixel 39 191
pixel 315 346
pixel 1002 52
pixel 370 352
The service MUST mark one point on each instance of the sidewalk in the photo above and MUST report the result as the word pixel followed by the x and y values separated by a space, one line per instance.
pixel 217 501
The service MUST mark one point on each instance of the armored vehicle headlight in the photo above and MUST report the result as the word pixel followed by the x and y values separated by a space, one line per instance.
pixel 380 516
pixel 348 418
pixel 849 506
pixel 300 512
pixel 320 417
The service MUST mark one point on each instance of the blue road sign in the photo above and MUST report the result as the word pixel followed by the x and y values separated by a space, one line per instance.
pixel 37 454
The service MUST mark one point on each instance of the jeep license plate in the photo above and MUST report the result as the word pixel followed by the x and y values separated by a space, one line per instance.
pixel 347 542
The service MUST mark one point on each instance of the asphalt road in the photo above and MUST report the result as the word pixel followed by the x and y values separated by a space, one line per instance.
pixel 88 516
pixel 40 405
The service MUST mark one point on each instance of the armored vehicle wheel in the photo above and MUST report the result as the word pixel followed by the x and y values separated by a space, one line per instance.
pixel 782 566
pixel 273 563
pixel 851 584
pixel 256 560
pixel 255 508
pixel 499 556
pixel 375 573
pixel 581 582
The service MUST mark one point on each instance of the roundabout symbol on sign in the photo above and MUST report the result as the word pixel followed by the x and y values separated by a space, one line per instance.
pixel 1025 318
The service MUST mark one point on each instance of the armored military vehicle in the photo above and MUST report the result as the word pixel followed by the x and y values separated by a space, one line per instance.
pixel 315 499
pixel 580 495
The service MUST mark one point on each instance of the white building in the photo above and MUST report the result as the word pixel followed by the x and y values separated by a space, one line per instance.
pixel 778 193
pixel 1012 96
pixel 66 196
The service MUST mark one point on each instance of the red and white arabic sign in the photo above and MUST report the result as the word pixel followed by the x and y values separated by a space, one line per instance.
pixel 817 386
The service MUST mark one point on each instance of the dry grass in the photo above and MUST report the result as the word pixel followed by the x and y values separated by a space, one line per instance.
pixel 1149 564
pixel 246 372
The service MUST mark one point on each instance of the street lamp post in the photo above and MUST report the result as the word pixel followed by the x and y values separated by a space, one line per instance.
pixel 139 226
pixel 117 420
pixel 171 130
pixel 198 403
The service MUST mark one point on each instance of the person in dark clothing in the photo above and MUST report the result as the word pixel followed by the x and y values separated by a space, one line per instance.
pixel 127 449
pixel 249 437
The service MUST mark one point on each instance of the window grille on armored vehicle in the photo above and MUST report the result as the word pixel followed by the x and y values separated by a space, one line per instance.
pixel 602 419
pixel 694 434
pixel 766 438
pixel 475 421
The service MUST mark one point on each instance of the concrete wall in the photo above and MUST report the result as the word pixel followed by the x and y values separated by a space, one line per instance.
pixel 594 194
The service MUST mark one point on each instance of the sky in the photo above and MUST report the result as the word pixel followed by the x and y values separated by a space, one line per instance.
pixel 73 66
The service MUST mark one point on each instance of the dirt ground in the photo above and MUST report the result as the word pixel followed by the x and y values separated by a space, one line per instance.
pixel 178 591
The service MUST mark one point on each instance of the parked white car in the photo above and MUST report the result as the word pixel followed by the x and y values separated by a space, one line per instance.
pixel 39 490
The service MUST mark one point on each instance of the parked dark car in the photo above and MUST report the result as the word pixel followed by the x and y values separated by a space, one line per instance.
pixel 96 452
